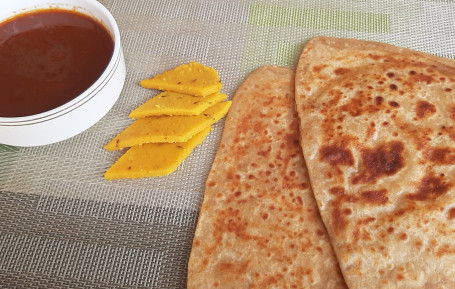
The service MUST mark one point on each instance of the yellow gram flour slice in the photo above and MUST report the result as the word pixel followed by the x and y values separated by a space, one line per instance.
pixel 175 103
pixel 169 129
pixel 153 159
pixel 193 79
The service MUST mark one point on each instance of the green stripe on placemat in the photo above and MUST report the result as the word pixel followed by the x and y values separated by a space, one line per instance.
pixel 6 148
pixel 287 54
pixel 7 155
pixel 269 26
pixel 269 15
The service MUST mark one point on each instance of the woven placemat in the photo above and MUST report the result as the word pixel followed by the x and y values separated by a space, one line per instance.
pixel 62 225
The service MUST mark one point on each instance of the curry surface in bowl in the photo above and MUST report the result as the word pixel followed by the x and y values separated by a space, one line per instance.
pixel 49 57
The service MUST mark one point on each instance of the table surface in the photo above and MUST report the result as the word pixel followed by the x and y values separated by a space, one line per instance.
pixel 62 225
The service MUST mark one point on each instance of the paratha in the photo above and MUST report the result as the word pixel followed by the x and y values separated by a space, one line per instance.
pixel 378 137
pixel 259 225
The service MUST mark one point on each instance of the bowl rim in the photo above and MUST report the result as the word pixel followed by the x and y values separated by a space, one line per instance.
pixel 93 89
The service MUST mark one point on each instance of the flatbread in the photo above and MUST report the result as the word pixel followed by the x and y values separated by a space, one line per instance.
pixel 378 137
pixel 259 225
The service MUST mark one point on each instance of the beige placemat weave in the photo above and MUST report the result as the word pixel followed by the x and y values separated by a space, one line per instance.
pixel 63 226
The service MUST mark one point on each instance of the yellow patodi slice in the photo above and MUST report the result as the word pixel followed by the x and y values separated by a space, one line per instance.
pixel 170 129
pixel 193 79
pixel 174 103
pixel 153 159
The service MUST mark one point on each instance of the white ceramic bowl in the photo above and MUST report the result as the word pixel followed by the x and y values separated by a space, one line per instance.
pixel 81 112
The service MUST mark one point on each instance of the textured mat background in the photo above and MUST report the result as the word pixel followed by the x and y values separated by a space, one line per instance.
pixel 63 226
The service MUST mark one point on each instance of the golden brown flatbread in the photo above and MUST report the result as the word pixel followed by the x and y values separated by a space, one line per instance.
pixel 378 137
pixel 259 225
